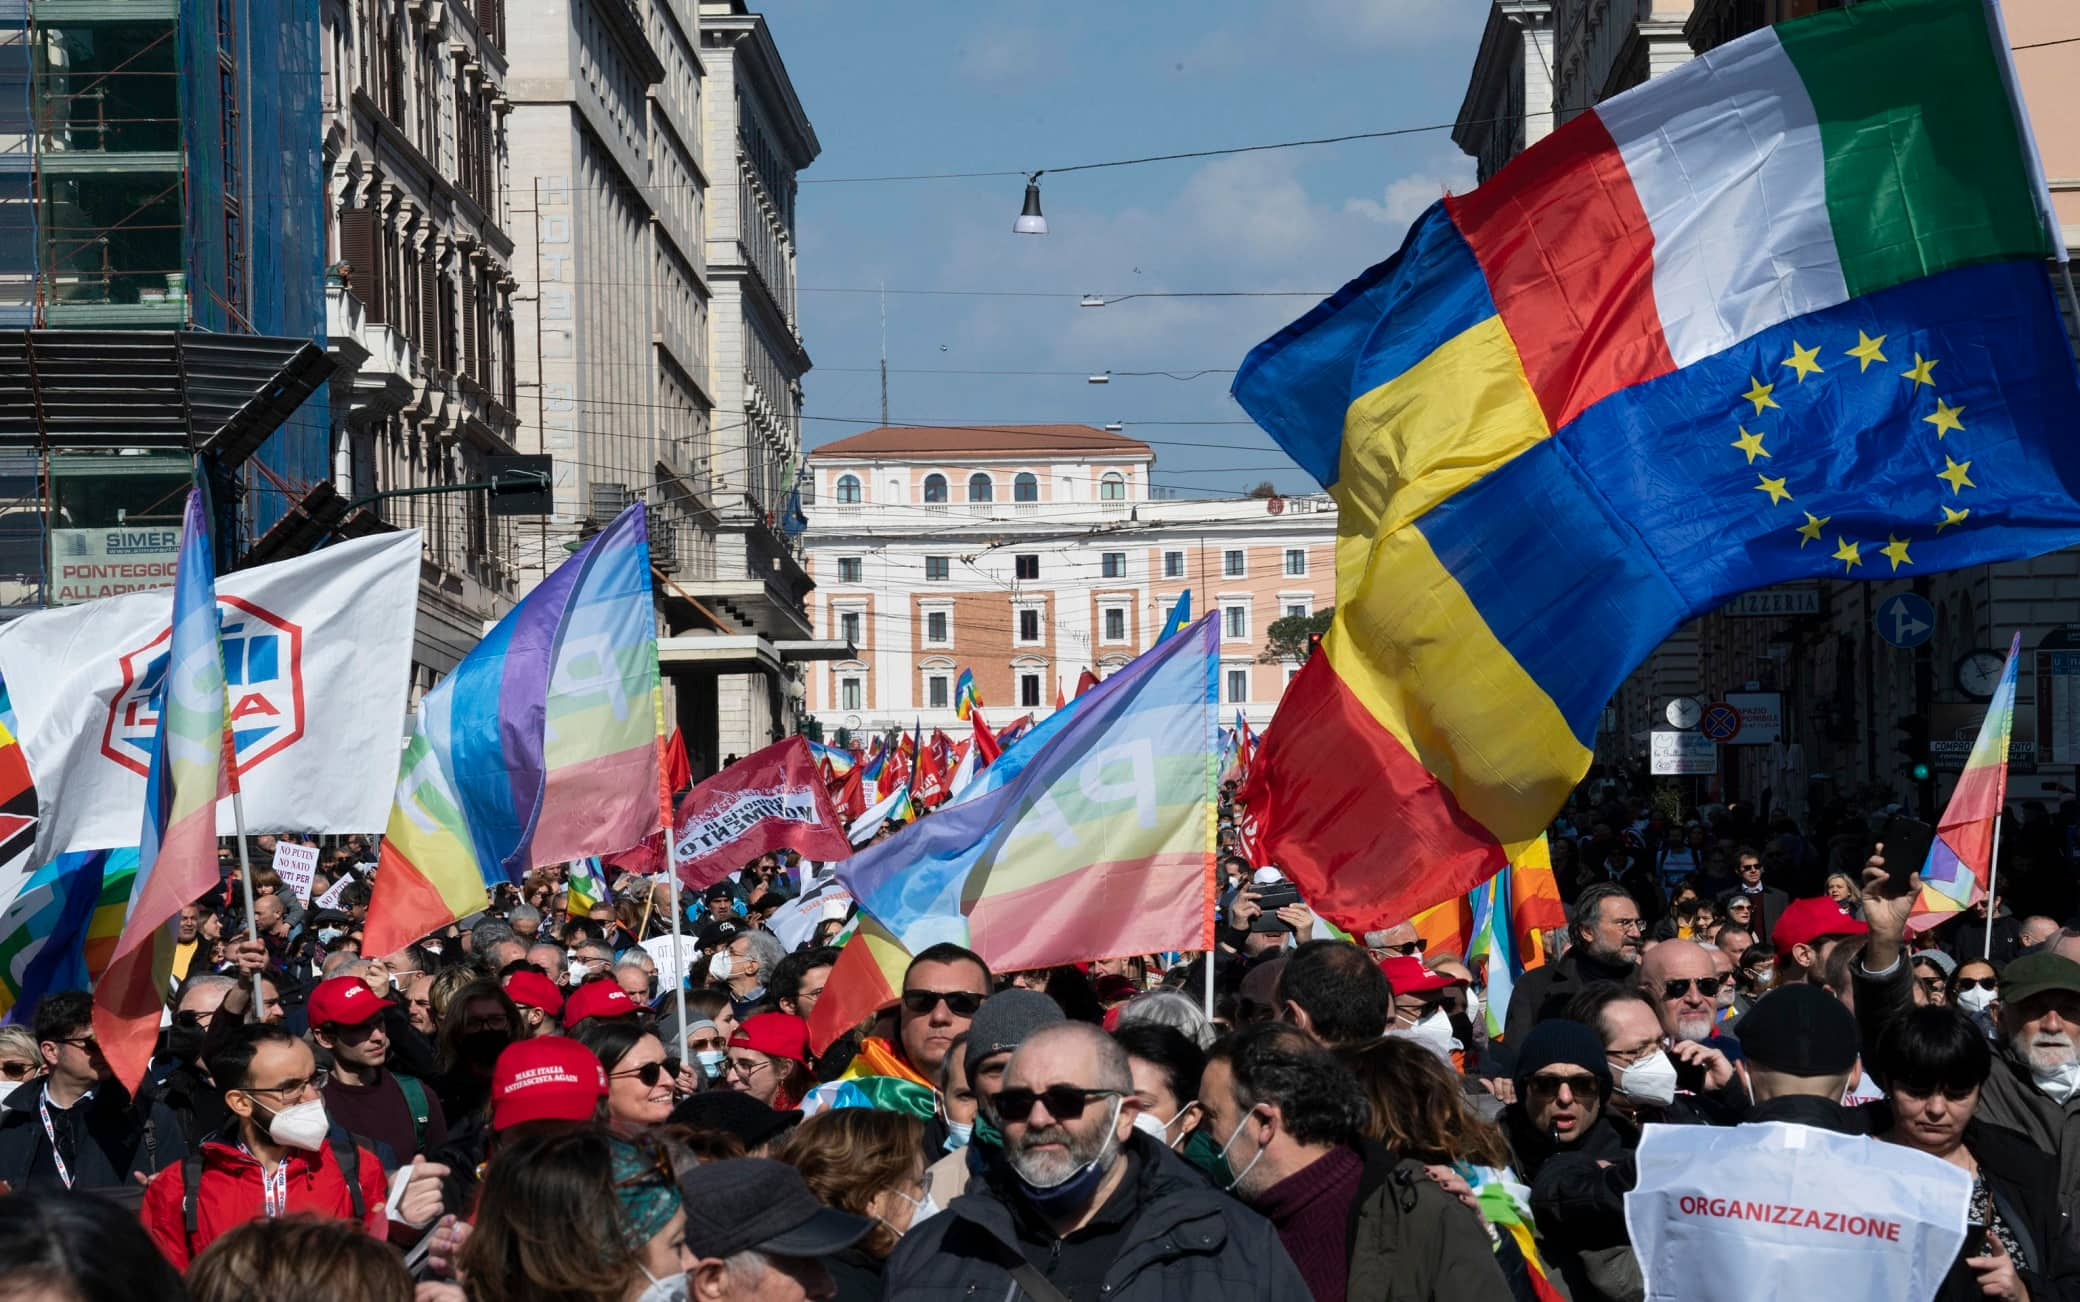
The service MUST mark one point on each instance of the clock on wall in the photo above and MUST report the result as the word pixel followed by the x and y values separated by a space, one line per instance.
pixel 1979 674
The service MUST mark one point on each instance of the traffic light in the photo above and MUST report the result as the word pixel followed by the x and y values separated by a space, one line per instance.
pixel 1913 747
pixel 1314 644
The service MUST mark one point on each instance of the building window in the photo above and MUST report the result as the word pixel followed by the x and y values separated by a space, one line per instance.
pixel 937 568
pixel 848 626
pixel 980 489
pixel 935 626
pixel 848 694
pixel 935 488
pixel 1113 487
pixel 1029 690
pixel 1026 567
pixel 1115 625
pixel 1296 610
pixel 848 490
pixel 1296 560
pixel 1025 488
pixel 1029 624
pixel 1235 623
pixel 850 569
pixel 1112 565
pixel 1232 564
pixel 1173 565
pixel 935 687
pixel 1291 672
pixel 1238 686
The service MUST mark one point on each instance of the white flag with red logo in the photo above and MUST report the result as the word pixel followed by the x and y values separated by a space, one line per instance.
pixel 317 659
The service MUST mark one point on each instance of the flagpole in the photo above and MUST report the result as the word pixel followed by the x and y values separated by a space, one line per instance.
pixel 245 868
pixel 1993 868
pixel 671 869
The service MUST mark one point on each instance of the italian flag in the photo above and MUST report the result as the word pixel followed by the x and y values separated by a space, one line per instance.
pixel 1785 172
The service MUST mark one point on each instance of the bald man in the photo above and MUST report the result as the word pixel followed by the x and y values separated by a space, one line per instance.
pixel 1682 979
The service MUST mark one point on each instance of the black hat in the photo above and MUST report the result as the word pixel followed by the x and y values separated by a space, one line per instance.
pixel 719 891
pixel 738 1114
pixel 719 932
pixel 1801 1030
pixel 754 1202
pixel 1551 1043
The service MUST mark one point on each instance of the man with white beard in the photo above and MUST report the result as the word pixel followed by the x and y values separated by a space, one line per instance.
pixel 2035 1085
pixel 1087 1205
pixel 1683 982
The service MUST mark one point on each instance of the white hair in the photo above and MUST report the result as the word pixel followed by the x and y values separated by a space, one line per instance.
pixel 1169 1008
pixel 746 1268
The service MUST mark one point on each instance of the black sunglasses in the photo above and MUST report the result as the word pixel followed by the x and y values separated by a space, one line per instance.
pixel 1064 1102
pixel 1548 1087
pixel 961 1003
pixel 1978 983
pixel 1676 989
pixel 652 1072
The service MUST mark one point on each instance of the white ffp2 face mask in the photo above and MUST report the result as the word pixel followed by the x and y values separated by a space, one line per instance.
pixel 1976 1000
pixel 1651 1080
pixel 720 967
pixel 303 1126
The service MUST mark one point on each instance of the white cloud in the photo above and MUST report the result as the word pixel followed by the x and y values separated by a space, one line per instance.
pixel 1406 197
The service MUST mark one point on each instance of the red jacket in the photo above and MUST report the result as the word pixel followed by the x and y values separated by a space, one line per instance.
pixel 231 1195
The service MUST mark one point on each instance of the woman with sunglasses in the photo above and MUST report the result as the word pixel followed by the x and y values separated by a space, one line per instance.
pixel 1934 1064
pixel 20 1060
pixel 769 1060
pixel 1976 988
pixel 1932 972
pixel 642 1079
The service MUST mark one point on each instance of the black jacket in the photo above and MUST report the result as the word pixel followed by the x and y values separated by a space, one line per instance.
pixel 111 1139
pixel 857 1273
pixel 2023 1181
pixel 1188 1244
pixel 1541 991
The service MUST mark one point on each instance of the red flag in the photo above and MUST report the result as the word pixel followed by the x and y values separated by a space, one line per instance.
pixel 985 741
pixel 769 800
pixel 852 797
pixel 929 788
pixel 643 858
pixel 1059 699
pixel 895 771
pixel 678 771
pixel 1085 681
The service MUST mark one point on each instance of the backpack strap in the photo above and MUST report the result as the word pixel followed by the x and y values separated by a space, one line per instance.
pixel 191 1180
pixel 347 1154
pixel 415 1098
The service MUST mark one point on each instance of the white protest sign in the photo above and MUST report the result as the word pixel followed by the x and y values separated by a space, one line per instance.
pixel 671 964
pixel 1772 1210
pixel 331 898
pixel 296 865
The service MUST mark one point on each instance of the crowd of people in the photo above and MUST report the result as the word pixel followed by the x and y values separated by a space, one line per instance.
pixel 519 1108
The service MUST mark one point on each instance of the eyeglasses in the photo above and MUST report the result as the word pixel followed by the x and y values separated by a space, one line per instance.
pixel 652 1072
pixel 1978 983
pixel 1676 989
pixel 1064 1102
pixel 87 1043
pixel 17 1070
pixel 317 1080
pixel 1404 949
pixel 961 1003
pixel 1629 924
pixel 747 1069
pixel 1548 1087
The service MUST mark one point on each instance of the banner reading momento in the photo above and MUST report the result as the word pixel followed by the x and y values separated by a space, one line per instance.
pixel 770 800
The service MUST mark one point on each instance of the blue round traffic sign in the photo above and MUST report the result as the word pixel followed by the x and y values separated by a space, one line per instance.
pixel 1905 620
pixel 1720 722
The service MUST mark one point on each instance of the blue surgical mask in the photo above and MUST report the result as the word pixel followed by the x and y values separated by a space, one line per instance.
pixel 711 1061
pixel 326 935
pixel 1076 1188
pixel 958 1133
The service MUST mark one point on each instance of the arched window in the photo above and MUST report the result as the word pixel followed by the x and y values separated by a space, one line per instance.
pixel 1025 488
pixel 980 489
pixel 1113 487
pixel 935 488
pixel 848 490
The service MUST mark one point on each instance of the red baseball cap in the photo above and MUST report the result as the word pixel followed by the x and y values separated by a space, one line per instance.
pixel 533 990
pixel 344 1001
pixel 1406 975
pixel 600 997
pixel 548 1078
pixel 782 1035
pixel 1805 921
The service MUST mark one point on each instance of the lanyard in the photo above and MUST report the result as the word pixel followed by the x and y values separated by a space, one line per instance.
pixel 51 1132
pixel 274 1185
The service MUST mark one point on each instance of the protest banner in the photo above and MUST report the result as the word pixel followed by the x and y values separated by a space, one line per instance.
pixel 770 800
pixel 1765 1210
pixel 673 956
pixel 296 865
pixel 317 658
pixel 795 921
pixel 338 892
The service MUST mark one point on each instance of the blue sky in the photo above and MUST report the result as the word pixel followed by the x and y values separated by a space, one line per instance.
pixel 902 86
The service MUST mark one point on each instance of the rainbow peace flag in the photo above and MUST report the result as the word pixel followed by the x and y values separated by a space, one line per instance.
pixel 837 760
pixel 585 886
pixel 1494 941
pixel 965 697
pixel 1782 313
pixel 1961 857
pixel 177 845
pixel 539 748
